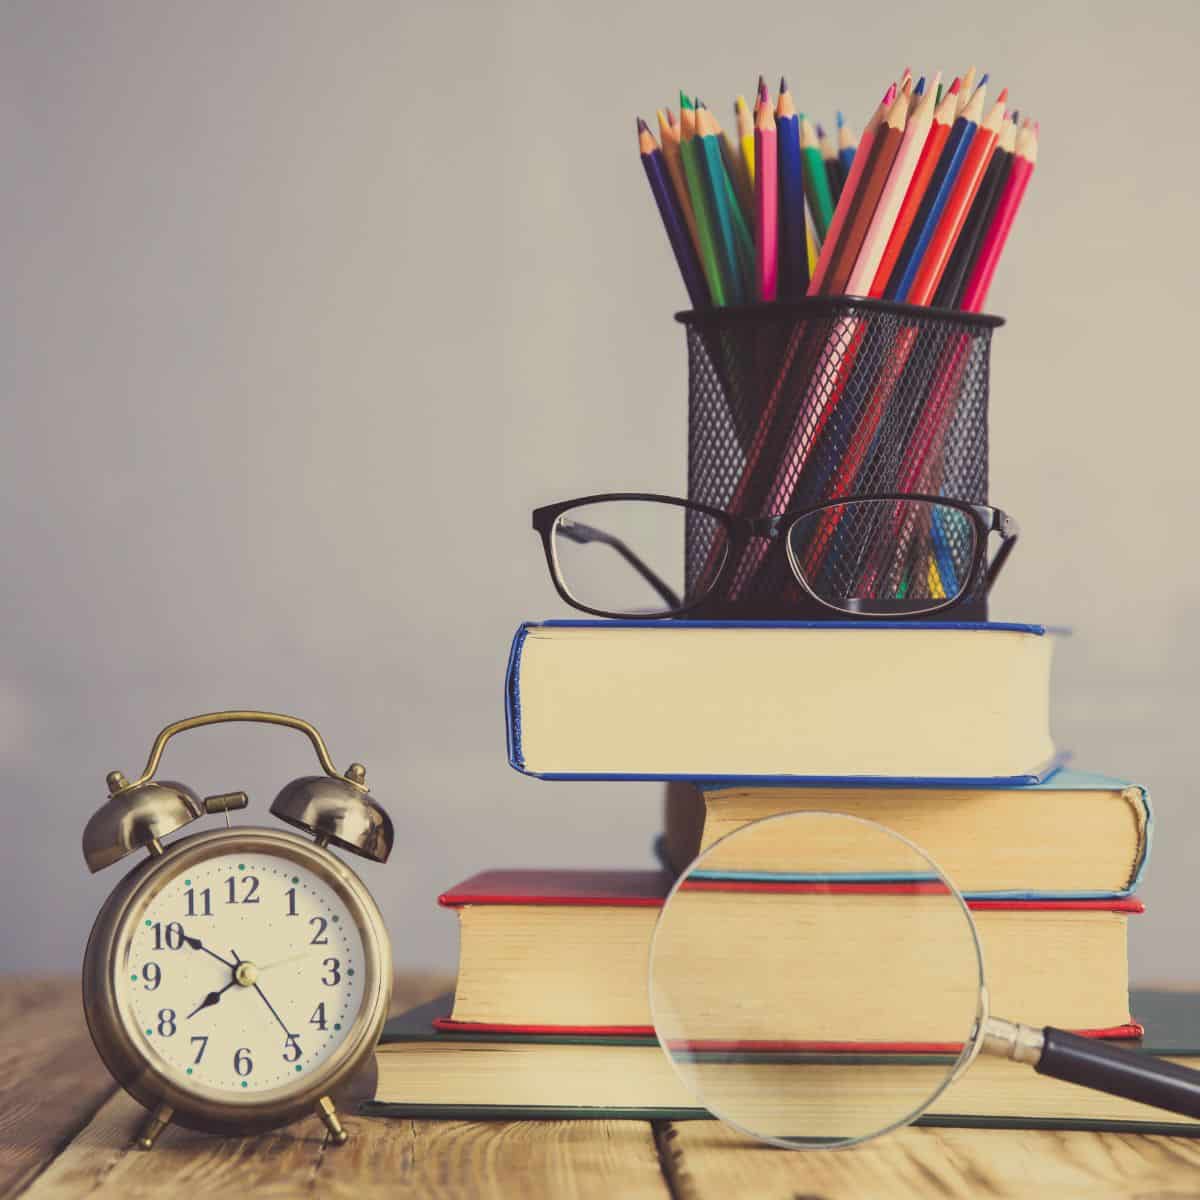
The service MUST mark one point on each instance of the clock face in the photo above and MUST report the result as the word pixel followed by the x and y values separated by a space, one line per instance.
pixel 241 973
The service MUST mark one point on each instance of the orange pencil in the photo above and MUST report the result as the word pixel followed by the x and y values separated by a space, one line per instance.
pixel 949 226
pixel 939 131
pixel 857 169
pixel 866 197
pixel 668 133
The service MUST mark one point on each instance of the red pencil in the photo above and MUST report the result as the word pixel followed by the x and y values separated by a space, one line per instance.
pixel 949 226
pixel 995 236
pixel 766 200
pixel 857 170
pixel 943 119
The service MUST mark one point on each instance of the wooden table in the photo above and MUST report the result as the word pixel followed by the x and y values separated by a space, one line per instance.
pixel 65 1130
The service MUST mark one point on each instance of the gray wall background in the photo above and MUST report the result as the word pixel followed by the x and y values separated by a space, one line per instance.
pixel 306 305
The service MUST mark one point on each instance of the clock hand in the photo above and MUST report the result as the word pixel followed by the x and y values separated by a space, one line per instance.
pixel 277 1017
pixel 197 944
pixel 210 999
pixel 282 962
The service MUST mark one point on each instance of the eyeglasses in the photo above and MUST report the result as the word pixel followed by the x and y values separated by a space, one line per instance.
pixel 636 554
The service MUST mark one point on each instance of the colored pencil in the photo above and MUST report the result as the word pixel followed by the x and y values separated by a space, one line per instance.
pixel 833 167
pixel 996 235
pixel 672 216
pixel 793 245
pixel 883 222
pixel 958 203
pixel 935 141
pixel 693 172
pixel 745 132
pixel 847 145
pixel 967 92
pixel 866 197
pixel 722 200
pixel 816 181
pixel 940 187
pixel 766 207
pixel 668 132
pixel 829 246
pixel 741 209
pixel 983 208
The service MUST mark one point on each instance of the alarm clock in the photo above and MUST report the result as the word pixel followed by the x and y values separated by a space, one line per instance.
pixel 234 978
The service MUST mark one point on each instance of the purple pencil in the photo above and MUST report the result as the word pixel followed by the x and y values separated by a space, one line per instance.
pixel 672 217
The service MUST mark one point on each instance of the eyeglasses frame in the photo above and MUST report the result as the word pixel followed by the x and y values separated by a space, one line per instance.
pixel 741 530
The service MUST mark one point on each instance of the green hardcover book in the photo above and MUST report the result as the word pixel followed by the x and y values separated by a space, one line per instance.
pixel 518 1077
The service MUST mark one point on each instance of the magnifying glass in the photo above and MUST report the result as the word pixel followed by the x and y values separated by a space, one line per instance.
pixel 816 981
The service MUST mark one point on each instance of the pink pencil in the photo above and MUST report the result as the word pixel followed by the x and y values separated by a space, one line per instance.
pixel 766 198
pixel 845 201
pixel 1024 161
pixel 894 191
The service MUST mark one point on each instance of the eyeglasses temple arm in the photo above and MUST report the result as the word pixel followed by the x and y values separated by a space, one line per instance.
pixel 1009 531
pixel 582 534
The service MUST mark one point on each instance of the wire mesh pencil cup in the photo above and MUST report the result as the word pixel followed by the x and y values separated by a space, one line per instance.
pixel 791 405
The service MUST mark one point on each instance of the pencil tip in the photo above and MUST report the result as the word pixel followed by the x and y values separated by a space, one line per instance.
pixel 642 127
pixel 983 81
pixel 684 102
pixel 919 90
pixel 820 130
pixel 953 89
pixel 1000 99
pixel 783 87
pixel 840 119
pixel 1016 116
pixel 764 94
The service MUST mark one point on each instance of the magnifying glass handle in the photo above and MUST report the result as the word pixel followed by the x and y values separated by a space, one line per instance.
pixel 1104 1068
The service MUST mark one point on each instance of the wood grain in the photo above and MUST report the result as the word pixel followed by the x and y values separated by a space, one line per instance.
pixel 708 1161
pixel 51 1080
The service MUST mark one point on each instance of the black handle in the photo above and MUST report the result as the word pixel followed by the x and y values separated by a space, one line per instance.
pixel 1105 1068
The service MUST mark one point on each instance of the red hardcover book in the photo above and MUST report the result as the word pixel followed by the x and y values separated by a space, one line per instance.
pixel 565 952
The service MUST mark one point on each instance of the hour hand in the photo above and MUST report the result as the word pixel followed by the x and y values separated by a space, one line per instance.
pixel 197 944
pixel 209 1000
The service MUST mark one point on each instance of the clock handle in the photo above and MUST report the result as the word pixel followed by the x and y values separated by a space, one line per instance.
pixel 217 718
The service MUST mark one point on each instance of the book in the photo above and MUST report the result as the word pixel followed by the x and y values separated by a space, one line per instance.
pixel 435 1074
pixel 562 950
pixel 738 700
pixel 992 843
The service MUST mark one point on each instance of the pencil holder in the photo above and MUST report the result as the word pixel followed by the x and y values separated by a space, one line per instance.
pixel 790 405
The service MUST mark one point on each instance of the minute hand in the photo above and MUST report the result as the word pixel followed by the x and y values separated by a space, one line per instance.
pixel 273 1012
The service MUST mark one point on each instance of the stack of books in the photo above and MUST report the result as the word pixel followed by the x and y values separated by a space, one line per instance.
pixel 939 731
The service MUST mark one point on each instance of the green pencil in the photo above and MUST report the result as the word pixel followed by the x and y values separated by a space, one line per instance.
pixel 816 180
pixel 689 151
pixel 724 202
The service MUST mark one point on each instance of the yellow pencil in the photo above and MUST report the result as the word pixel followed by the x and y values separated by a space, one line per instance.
pixel 745 129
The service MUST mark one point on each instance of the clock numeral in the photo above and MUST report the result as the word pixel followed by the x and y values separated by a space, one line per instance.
pixel 152 974
pixel 241 1062
pixel 204 908
pixel 166 1022
pixel 203 1040
pixel 319 938
pixel 291 1048
pixel 318 1017
pixel 249 892
pixel 335 974
pixel 291 895
pixel 169 937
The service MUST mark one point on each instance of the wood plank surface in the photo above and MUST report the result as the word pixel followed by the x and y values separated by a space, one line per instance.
pixel 708 1161
pixel 51 1080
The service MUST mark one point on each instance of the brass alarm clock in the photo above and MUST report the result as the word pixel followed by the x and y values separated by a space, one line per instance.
pixel 236 977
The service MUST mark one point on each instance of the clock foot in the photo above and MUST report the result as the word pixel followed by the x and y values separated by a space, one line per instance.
pixel 328 1114
pixel 156 1122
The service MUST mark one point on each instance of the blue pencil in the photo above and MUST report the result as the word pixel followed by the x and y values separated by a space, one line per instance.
pixel 940 187
pixel 847 144
pixel 672 217
pixel 793 232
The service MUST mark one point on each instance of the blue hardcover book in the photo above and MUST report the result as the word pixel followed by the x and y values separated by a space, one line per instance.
pixel 1074 836
pixel 866 702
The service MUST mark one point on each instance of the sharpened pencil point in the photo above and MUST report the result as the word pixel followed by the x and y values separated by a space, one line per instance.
pixel 820 130
pixel 642 127
pixel 685 105
pixel 764 94
pixel 841 120
pixel 954 87
pixel 983 81
pixel 1016 116
pixel 919 90
pixel 1003 97
pixel 783 87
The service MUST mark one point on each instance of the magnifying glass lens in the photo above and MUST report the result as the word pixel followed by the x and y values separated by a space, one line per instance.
pixel 815 980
